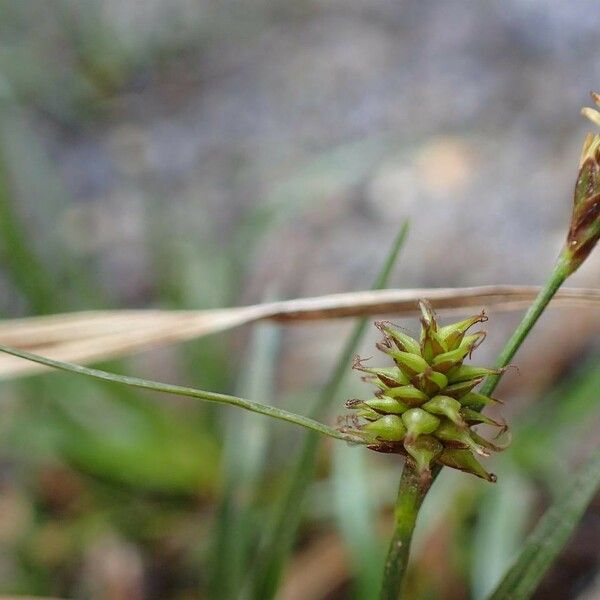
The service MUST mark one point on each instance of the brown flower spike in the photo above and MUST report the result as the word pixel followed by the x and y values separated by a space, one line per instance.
pixel 585 221
pixel 425 407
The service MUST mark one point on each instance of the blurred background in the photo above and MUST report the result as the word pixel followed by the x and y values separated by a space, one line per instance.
pixel 197 154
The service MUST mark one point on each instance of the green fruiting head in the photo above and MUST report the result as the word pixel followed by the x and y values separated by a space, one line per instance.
pixel 425 406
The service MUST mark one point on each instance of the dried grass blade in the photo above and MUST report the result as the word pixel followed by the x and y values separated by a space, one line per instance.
pixel 90 336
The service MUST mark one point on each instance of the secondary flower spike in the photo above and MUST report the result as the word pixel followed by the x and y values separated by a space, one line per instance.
pixel 424 406
pixel 585 221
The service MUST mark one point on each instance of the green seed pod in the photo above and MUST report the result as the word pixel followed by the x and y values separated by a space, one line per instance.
pixel 452 335
pixel 419 422
pixel 448 360
pixel 446 407
pixel 427 401
pixel 409 364
pixel 462 388
pixel 474 417
pixel 387 405
pixel 467 372
pixel 430 382
pixel 473 341
pixel 428 317
pixel 463 460
pixel 408 394
pixel 364 412
pixel 450 432
pixel 389 428
pixel 403 341
pixel 424 450
pixel 475 400
pixel 389 376
pixel 431 345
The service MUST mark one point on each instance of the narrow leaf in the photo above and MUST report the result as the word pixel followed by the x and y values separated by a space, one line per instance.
pixel 357 519
pixel 544 544
pixel 178 390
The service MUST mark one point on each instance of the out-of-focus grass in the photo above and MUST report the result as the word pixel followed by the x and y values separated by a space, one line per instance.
pixel 130 426
pixel 130 444
pixel 246 442
pixel 121 438
pixel 355 509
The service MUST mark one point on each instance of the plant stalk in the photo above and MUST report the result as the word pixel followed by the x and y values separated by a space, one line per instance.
pixel 411 493
pixel 560 272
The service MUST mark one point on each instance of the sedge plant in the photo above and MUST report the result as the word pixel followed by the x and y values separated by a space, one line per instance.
pixel 426 405
pixel 582 236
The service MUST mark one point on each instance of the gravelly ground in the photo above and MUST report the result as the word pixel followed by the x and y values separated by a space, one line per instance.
pixel 463 117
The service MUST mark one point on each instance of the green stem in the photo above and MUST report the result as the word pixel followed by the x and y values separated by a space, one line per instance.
pixel 179 390
pixel 411 493
pixel 560 272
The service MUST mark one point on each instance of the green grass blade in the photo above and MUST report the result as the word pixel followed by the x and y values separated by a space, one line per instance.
pixel 542 440
pixel 16 256
pixel 354 506
pixel 156 386
pixel 502 515
pixel 245 450
pixel 550 535
pixel 287 514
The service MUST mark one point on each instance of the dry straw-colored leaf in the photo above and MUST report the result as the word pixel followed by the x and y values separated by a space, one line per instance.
pixel 90 336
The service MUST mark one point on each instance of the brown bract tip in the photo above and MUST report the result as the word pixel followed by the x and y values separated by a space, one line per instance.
pixel 357 362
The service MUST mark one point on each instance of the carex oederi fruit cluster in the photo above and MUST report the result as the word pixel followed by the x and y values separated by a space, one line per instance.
pixel 425 406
